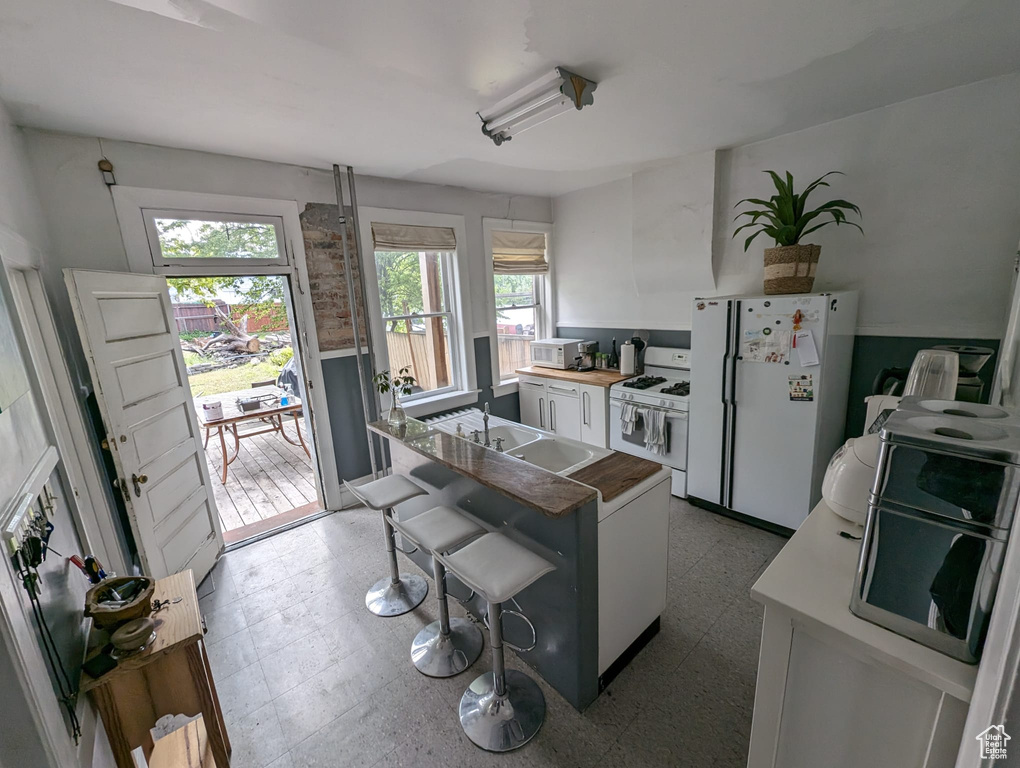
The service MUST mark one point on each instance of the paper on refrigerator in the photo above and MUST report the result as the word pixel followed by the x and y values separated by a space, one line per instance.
pixel 766 345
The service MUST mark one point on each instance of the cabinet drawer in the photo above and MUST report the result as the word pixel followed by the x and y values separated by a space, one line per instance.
pixel 531 382
pixel 562 388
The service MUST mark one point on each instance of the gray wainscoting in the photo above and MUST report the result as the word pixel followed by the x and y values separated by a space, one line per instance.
pixel 340 376
pixel 871 355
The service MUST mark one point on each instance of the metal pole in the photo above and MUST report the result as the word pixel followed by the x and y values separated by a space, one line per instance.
pixel 355 324
pixel 372 368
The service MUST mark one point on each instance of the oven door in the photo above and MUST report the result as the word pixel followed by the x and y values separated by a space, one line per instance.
pixel 634 443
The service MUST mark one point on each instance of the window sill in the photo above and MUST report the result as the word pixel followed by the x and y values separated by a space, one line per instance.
pixel 507 387
pixel 428 406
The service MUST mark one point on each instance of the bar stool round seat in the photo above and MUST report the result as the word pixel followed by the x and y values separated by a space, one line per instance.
pixel 503 709
pixel 448 646
pixel 398 593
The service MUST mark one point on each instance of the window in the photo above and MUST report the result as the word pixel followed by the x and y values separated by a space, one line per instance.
pixel 418 302
pixel 518 260
pixel 188 237
pixel 418 321
pixel 518 299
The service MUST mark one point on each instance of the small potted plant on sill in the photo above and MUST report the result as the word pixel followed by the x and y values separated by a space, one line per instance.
pixel 401 384
pixel 790 265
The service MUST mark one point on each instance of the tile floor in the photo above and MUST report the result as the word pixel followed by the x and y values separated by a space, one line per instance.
pixel 307 677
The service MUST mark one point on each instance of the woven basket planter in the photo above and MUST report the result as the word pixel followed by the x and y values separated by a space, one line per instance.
pixel 791 268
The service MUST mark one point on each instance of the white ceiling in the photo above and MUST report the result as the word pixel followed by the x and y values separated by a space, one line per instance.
pixel 391 86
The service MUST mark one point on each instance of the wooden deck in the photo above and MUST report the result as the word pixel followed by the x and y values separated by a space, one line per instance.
pixel 269 477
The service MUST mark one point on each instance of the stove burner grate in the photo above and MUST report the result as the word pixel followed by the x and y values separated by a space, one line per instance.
pixel 682 388
pixel 644 382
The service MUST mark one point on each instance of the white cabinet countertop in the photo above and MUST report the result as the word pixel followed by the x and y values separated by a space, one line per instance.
pixel 812 578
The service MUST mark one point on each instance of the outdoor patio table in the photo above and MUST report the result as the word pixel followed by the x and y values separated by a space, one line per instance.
pixel 270 412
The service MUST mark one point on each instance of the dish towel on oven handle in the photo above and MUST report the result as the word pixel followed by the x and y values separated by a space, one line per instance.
pixel 655 431
pixel 628 418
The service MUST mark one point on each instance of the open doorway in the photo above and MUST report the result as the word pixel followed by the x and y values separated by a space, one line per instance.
pixel 240 346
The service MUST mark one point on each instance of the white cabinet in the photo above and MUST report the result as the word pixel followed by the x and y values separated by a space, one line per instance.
pixel 533 403
pixel 564 412
pixel 566 408
pixel 594 415
pixel 835 690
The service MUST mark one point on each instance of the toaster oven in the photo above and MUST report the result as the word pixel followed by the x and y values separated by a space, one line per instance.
pixel 556 353
pixel 942 506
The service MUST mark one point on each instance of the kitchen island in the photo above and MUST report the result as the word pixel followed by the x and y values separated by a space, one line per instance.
pixel 601 517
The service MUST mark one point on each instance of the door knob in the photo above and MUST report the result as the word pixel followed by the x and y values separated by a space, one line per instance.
pixel 138 481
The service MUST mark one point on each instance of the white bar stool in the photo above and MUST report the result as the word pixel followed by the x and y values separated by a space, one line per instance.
pixel 400 592
pixel 501 710
pixel 446 647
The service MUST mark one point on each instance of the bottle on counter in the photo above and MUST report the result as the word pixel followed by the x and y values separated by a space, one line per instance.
pixel 614 359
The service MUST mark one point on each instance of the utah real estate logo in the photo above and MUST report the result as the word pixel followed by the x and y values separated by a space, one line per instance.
pixel 993 742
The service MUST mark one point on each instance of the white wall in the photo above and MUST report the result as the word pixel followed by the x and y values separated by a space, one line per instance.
pixel 84 231
pixel 938 181
pixel 23 440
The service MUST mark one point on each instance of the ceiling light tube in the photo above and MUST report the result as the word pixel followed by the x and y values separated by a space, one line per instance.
pixel 551 95
pixel 524 110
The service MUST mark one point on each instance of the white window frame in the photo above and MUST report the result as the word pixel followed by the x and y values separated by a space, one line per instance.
pixel 544 292
pixel 149 216
pixel 464 390
pixel 136 205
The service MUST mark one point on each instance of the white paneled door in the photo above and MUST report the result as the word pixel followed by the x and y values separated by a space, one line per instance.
pixel 134 355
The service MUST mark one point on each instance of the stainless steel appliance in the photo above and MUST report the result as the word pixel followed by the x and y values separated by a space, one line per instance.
pixel 661 393
pixel 586 355
pixel 770 377
pixel 939 517
pixel 555 353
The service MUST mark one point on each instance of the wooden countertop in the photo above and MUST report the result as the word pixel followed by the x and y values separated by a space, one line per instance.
pixel 812 577
pixel 616 473
pixel 545 492
pixel 599 378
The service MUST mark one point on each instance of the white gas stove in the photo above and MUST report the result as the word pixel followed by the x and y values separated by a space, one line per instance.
pixel 664 386
pixel 666 382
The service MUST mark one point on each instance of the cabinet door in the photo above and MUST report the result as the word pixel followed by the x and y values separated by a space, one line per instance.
pixel 533 404
pixel 594 415
pixel 564 414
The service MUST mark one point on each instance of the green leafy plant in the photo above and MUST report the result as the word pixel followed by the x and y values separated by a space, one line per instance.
pixel 402 384
pixel 783 217
pixel 280 357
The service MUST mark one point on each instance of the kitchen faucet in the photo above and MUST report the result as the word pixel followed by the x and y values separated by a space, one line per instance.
pixel 485 423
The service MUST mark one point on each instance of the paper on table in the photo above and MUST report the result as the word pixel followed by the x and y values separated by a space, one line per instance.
pixel 804 343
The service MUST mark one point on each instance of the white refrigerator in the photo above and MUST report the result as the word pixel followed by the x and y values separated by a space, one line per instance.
pixel 770 377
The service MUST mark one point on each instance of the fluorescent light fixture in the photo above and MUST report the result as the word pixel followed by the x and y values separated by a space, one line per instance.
pixel 558 92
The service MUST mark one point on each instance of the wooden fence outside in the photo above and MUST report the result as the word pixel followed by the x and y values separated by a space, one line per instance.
pixel 514 353
pixel 195 316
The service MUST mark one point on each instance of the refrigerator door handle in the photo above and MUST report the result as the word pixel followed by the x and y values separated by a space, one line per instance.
pixel 730 418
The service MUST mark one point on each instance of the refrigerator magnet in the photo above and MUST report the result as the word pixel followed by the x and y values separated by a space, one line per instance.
pixel 802 388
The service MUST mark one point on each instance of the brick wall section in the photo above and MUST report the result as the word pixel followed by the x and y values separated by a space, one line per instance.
pixel 327 281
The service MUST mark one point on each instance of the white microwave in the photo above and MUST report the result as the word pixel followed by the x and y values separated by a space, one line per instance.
pixel 555 353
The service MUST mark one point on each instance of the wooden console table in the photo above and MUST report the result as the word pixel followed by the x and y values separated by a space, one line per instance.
pixel 170 677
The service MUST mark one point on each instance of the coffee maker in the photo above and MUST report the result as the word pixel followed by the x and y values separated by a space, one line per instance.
pixel 586 360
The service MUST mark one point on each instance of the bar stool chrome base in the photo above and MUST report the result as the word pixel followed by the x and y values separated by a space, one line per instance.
pixel 388 599
pixel 439 655
pixel 500 724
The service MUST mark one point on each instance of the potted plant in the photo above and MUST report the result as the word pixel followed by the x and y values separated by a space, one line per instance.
pixel 401 384
pixel 790 265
